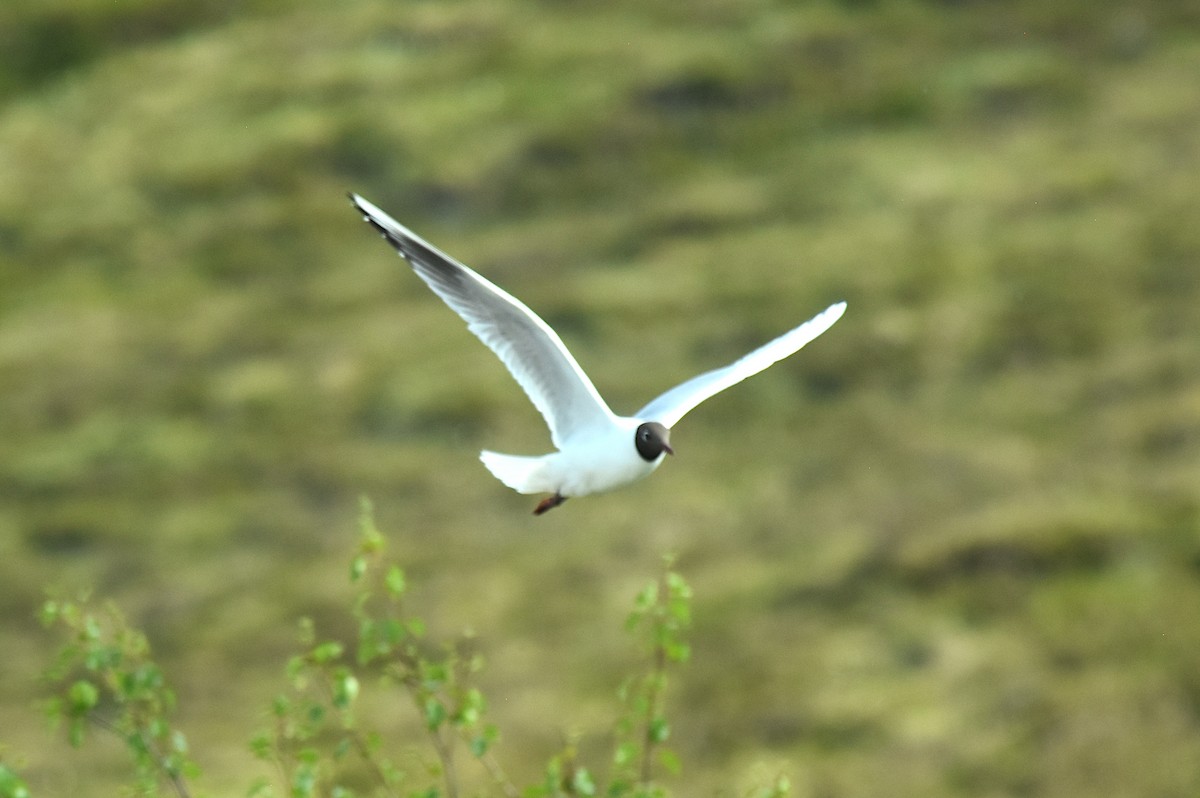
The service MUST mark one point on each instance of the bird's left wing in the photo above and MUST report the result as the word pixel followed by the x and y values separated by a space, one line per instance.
pixel 675 403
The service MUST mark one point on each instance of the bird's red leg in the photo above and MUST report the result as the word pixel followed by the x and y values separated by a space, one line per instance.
pixel 549 503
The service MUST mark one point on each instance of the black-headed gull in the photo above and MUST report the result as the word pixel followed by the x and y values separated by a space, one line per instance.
pixel 597 449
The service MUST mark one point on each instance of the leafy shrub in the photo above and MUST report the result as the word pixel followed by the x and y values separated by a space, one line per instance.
pixel 318 744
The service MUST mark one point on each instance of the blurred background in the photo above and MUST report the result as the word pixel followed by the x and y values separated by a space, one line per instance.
pixel 952 548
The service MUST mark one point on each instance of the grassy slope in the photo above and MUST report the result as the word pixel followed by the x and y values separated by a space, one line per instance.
pixel 955 553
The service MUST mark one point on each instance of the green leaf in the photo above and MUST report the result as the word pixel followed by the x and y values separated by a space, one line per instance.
pixel 582 782
pixel 670 761
pixel 50 613
pixel 83 697
pixel 262 746
pixel 377 638
pixel 370 646
pixel 358 567
pixel 304 781
pixel 372 539
pixel 480 744
pixel 626 752
pixel 157 728
pixel 395 581
pixel 326 652
pixel 392 775
pixel 433 674
pixel 470 709
pixel 677 651
pixel 137 744
pixel 142 679
pixel 91 629
pixel 54 710
pixel 642 603
pixel 395 631
pixel 435 713
pixel 677 586
pixel 415 627
pixel 296 666
pixel 261 788
pixel 345 688
pixel 659 730
pixel 76 731
pixel 11 785
pixel 102 658
pixel 307 633
pixel 619 787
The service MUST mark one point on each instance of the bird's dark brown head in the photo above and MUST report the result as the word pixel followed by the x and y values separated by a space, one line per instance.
pixel 651 440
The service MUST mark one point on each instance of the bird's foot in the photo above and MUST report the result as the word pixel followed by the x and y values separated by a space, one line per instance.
pixel 549 503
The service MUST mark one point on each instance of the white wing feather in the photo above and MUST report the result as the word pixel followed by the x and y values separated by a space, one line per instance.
pixel 675 403
pixel 532 351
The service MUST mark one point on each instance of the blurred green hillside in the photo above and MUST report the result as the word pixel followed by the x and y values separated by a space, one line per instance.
pixel 952 548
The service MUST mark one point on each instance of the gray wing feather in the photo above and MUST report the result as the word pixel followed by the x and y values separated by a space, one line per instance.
pixel 675 403
pixel 528 347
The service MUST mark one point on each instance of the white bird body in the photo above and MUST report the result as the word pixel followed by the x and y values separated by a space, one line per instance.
pixel 594 461
pixel 597 450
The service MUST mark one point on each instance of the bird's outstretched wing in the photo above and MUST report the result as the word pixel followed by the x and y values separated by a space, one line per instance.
pixel 675 403
pixel 531 350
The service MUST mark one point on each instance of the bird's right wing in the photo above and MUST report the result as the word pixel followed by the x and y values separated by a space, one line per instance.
pixel 532 351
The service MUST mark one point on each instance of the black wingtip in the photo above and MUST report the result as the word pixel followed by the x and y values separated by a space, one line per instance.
pixel 371 220
pixel 407 244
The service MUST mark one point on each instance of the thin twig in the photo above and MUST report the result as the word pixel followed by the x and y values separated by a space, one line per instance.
pixel 280 760
pixel 360 744
pixel 653 699
pixel 492 766
pixel 175 779
pixel 444 751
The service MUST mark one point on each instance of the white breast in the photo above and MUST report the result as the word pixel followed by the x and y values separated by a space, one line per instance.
pixel 599 462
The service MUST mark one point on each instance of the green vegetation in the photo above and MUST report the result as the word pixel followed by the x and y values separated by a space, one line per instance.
pixel 950 549
pixel 318 744
pixel 106 663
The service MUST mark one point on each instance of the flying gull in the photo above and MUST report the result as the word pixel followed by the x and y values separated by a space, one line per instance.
pixel 597 450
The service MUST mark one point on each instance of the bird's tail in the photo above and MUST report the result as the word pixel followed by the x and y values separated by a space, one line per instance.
pixel 522 474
